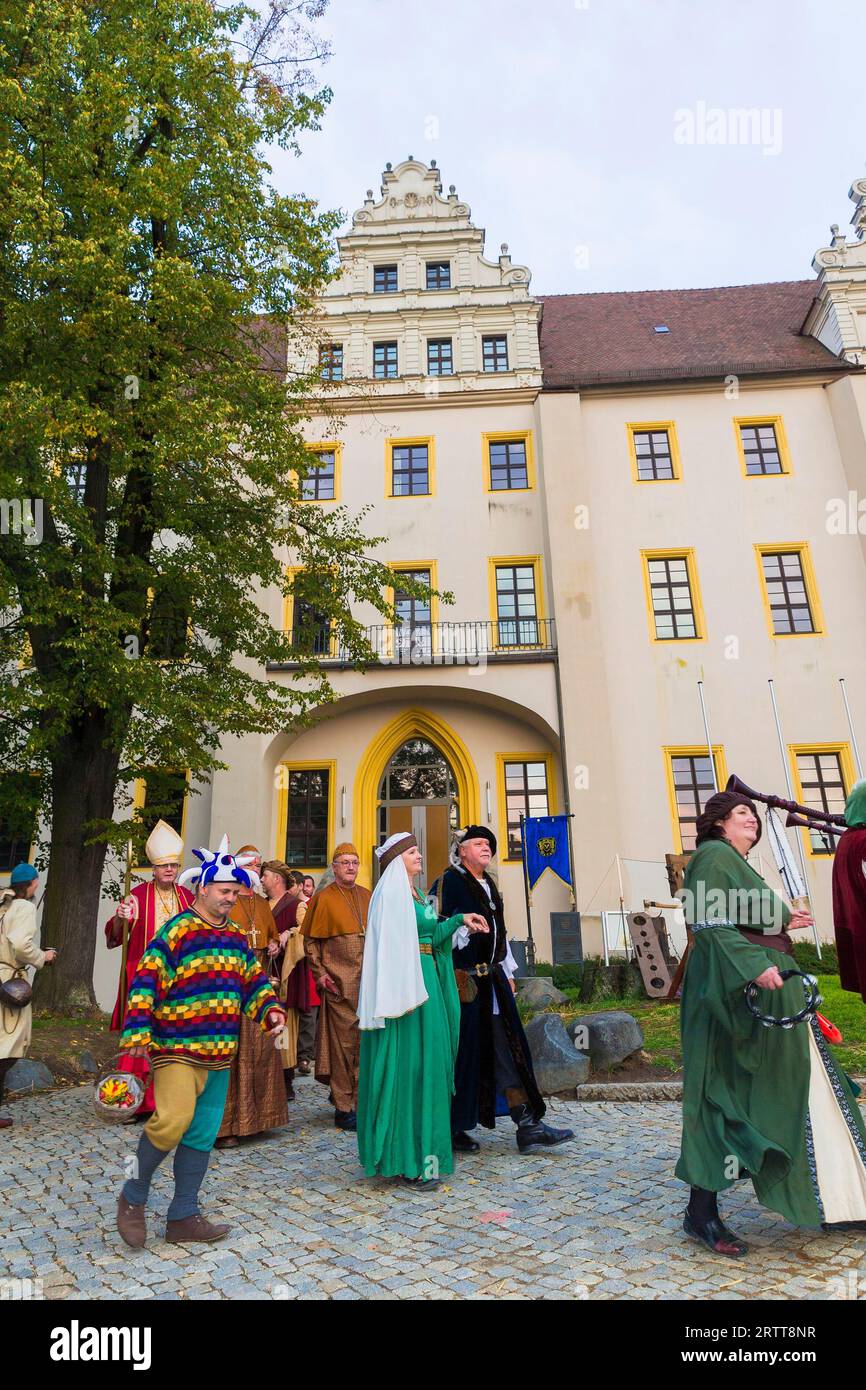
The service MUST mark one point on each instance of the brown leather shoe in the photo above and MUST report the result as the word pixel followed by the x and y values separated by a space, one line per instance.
pixel 130 1223
pixel 194 1228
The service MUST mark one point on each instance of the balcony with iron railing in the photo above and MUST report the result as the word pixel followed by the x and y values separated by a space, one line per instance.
pixel 431 644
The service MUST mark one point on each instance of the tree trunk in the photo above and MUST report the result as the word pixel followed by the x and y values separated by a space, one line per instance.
pixel 84 774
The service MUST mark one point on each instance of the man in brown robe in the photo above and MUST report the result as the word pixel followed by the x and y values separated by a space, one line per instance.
pixel 282 887
pixel 256 1099
pixel 333 931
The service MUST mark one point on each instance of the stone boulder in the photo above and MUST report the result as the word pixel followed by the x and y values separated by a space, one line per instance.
pixel 539 991
pixel 612 1036
pixel 27 1075
pixel 557 1063
pixel 88 1062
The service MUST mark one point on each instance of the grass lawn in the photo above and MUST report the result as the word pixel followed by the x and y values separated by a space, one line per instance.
pixel 661 1025
pixel 59 1041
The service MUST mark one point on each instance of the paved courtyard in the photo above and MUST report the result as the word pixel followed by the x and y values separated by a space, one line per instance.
pixel 598 1218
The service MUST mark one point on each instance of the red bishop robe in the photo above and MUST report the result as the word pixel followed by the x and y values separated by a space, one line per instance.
pixel 142 932
pixel 849 910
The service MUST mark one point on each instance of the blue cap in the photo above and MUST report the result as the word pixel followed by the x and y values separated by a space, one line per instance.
pixel 23 873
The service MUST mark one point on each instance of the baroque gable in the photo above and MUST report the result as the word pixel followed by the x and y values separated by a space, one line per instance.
pixel 383 295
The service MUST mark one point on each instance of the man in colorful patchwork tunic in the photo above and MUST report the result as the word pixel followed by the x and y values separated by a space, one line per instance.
pixel 147 908
pixel 192 984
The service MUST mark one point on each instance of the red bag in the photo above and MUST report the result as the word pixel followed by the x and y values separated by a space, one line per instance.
pixel 830 1031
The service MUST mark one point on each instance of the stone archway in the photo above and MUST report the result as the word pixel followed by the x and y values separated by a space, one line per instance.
pixel 411 723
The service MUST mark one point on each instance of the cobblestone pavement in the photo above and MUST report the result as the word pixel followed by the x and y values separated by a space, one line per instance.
pixel 597 1218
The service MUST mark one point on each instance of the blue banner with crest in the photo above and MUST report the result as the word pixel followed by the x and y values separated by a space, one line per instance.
pixel 545 846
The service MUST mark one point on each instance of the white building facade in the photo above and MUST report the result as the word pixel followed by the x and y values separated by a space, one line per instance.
pixel 624 495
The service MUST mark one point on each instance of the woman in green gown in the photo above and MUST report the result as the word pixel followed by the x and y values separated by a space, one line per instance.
pixel 769 1103
pixel 409 1016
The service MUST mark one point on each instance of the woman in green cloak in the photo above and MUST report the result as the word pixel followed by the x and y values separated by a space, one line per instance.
pixel 409 1017
pixel 765 1102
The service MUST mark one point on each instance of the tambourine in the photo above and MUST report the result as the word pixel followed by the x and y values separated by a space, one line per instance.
pixel 810 991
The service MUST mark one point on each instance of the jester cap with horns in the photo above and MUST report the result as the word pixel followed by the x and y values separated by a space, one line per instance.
pixel 218 866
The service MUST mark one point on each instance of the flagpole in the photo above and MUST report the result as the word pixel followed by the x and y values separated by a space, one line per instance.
pixel 790 787
pixel 622 903
pixel 707 736
pixel 851 728
pixel 530 943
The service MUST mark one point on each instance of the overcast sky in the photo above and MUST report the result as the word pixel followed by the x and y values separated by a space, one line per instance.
pixel 597 137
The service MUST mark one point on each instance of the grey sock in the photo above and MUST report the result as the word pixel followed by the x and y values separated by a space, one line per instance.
pixel 149 1158
pixel 190 1166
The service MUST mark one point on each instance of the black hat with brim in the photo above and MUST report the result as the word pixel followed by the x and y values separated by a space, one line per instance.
pixel 479 832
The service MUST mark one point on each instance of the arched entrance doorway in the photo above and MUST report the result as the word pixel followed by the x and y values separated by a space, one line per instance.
pixel 418 793
pixel 413 723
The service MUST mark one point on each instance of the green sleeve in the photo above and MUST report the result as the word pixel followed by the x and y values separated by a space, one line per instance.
pixel 444 930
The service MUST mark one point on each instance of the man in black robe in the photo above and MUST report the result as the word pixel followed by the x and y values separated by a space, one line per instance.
pixel 493 1058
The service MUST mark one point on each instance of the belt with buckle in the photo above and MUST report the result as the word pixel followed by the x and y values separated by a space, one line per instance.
pixel 480 970
pixel 425 948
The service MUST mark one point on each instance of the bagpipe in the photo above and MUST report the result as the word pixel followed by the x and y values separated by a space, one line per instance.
pixel 824 822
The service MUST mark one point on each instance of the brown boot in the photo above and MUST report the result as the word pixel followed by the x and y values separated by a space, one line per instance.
pixel 130 1223
pixel 194 1228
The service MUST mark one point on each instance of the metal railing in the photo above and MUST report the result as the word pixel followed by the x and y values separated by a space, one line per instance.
pixel 436 644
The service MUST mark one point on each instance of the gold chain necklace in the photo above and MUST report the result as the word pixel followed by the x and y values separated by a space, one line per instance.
pixel 353 904
pixel 166 906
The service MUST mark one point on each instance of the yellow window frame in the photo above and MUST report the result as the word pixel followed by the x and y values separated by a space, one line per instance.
pixel 849 777
pixel 166 660
pixel 324 446
pixel 676 463
pixel 292 572
pixel 689 555
pixel 502 803
pixel 508 437
pixel 494 563
pixel 138 796
pixel 693 750
pixel 800 548
pixel 399 443
pixel 284 767
pixel 397 567
pixel 781 441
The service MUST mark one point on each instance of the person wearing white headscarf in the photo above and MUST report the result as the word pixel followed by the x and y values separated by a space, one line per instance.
pixel 409 1017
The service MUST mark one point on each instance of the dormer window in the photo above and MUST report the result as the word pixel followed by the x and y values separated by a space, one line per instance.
pixel 438 275
pixel 439 358
pixel 331 361
pixel 384 279
pixel 384 361
pixel 494 353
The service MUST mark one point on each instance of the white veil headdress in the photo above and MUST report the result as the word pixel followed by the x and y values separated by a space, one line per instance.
pixel 392 982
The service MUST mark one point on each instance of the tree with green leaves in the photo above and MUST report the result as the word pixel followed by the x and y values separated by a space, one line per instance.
pixel 150 448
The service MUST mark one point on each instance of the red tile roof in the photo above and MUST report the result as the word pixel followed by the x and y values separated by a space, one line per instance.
pixel 269 337
pixel 597 339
